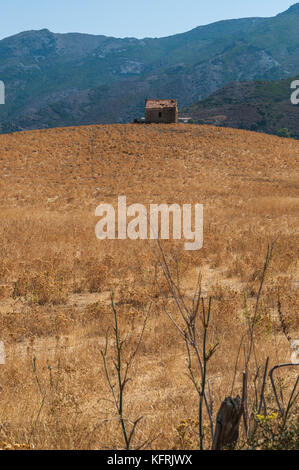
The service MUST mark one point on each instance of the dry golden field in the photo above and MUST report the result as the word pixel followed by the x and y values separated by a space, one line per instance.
pixel 56 278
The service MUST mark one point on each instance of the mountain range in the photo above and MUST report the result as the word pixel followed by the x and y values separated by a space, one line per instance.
pixel 56 80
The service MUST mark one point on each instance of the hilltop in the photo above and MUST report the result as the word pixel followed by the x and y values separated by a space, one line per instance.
pixel 55 80
pixel 140 160
pixel 256 105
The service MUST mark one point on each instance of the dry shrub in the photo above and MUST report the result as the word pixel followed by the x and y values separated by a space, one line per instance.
pixel 41 289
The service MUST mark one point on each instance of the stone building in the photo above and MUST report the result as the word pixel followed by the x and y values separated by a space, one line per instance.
pixel 161 111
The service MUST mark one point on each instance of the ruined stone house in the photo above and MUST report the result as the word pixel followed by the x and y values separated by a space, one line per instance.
pixel 161 111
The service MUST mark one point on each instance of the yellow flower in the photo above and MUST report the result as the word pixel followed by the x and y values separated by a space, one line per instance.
pixel 260 417
pixel 263 418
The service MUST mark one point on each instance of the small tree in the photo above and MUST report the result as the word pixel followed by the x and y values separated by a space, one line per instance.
pixel 284 132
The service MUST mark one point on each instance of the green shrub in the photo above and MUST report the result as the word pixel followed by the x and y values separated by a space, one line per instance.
pixel 284 132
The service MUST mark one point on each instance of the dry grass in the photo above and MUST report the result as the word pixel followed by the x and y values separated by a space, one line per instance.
pixel 56 277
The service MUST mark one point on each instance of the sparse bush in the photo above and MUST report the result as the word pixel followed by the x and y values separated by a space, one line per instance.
pixel 273 433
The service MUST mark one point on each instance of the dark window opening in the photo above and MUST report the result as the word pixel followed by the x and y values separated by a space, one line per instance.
pixel 160 115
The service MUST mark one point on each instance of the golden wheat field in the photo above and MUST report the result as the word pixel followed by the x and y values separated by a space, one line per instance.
pixel 56 279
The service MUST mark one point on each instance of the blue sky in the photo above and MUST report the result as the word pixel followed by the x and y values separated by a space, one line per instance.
pixel 127 18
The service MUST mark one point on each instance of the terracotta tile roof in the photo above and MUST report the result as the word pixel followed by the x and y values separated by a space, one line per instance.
pixel 160 104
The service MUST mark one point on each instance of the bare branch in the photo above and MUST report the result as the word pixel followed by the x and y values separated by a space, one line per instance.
pixel 278 366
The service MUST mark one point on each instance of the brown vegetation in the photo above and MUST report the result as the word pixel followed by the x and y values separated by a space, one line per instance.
pixel 56 278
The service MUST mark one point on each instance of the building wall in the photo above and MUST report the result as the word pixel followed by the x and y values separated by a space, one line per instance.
pixel 164 115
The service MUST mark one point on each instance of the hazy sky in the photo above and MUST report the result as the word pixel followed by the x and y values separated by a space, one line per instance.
pixel 131 18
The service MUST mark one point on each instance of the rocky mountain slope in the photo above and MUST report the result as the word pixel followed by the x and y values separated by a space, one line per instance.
pixel 256 105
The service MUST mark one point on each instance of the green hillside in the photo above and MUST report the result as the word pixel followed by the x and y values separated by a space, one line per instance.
pixel 256 105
